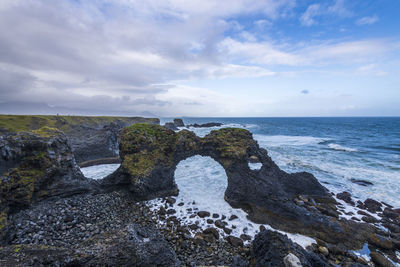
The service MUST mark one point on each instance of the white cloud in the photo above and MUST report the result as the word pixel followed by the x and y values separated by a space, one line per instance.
pixel 367 20
pixel 337 9
pixel 307 19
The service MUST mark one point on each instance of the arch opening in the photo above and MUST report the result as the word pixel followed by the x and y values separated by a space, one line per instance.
pixel 202 183
pixel 99 172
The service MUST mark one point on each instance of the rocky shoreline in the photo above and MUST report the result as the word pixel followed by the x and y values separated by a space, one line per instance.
pixel 51 215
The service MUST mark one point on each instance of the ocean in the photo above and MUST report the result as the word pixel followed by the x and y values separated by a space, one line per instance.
pixel 358 155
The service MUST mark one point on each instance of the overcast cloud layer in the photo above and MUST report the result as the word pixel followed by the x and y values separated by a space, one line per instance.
pixel 198 58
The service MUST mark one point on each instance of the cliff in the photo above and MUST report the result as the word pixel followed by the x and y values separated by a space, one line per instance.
pixel 91 138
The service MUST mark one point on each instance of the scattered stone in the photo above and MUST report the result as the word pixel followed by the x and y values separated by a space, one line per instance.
pixel 245 237
pixel 323 250
pixel 291 260
pixel 234 241
pixel 215 215
pixel 361 182
pixel 380 260
pixel 380 241
pixel 203 214
pixel 220 224
pixel 212 231
pixel 233 217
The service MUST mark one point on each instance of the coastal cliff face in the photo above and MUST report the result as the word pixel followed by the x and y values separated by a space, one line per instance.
pixel 36 166
pixel 91 138
pixel 150 154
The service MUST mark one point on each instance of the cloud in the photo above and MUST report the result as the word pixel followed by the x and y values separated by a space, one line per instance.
pixel 307 19
pixel 325 53
pixel 367 20
pixel 71 53
pixel 305 92
pixel 337 9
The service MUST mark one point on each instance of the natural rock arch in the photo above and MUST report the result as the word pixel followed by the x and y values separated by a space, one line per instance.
pixel 150 154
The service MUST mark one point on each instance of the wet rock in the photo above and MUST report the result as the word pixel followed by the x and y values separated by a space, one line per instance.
pixel 380 260
pixel 179 123
pixel 270 248
pixel 372 205
pixel 361 182
pixel 346 197
pixel 245 237
pixel 369 219
pixel 380 241
pixel 215 215
pixel 227 230
pixel 234 241
pixel 220 224
pixel 171 211
pixel 203 214
pixel 210 221
pixel 233 217
pixel 170 200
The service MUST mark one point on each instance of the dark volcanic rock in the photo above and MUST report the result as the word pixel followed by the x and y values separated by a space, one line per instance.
pixel 372 205
pixel 271 248
pixel 380 260
pixel 203 214
pixel 150 154
pixel 179 123
pixel 346 197
pixel 361 182
pixel 40 165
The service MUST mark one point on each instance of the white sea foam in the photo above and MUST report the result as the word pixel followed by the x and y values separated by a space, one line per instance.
pixel 255 166
pixel 342 148
pixel 202 181
pixel 287 140
pixel 203 131
pixel 99 171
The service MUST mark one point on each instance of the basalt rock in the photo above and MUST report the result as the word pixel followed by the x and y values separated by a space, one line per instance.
pixel 179 123
pixel 273 249
pixel 36 166
pixel 150 154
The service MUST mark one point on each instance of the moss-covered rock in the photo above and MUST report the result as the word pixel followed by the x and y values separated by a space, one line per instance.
pixel 35 166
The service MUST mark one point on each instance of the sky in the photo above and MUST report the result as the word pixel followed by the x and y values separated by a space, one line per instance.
pixel 203 58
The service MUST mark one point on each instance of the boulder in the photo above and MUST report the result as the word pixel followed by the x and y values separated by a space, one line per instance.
pixel 179 123
pixel 170 126
pixel 271 248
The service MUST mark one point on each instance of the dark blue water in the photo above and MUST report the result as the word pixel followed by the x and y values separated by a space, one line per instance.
pixel 336 150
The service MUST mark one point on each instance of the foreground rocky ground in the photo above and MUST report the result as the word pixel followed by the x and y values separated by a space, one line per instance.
pixel 112 229
pixel 69 231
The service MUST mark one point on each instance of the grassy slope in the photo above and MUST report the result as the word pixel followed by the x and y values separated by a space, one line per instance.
pixel 19 123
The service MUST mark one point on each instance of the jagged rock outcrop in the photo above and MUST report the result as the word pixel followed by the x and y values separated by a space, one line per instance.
pixel 273 249
pixel 36 166
pixel 150 154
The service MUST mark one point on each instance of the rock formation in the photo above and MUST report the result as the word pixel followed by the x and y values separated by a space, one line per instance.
pixel 150 154
pixel 36 166
pixel 91 137
pixel 277 250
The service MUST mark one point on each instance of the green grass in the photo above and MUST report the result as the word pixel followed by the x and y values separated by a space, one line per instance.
pixel 21 123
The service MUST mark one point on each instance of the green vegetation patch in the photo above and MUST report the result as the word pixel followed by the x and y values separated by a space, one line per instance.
pixel 142 146
pixel 24 123
pixel 231 142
